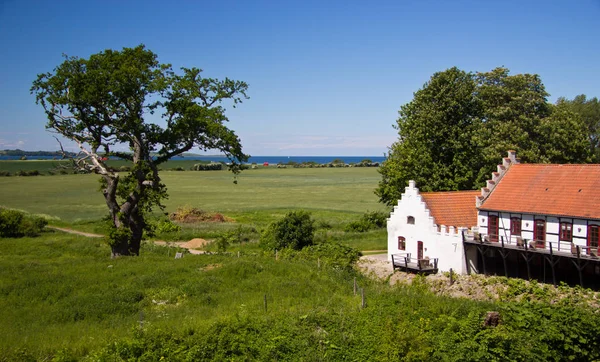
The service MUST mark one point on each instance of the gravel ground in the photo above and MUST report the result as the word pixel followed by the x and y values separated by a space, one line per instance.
pixel 479 287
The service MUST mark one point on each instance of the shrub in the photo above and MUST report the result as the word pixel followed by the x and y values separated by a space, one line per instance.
pixel 295 231
pixel 369 220
pixel 17 224
pixel 4 173
pixel 334 254
pixel 213 166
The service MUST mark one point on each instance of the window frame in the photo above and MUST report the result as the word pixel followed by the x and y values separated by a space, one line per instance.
pixel 410 220
pixel 515 226
pixel 593 232
pixel 565 234
pixel 401 243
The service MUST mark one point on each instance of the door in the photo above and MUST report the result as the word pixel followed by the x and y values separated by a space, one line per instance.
pixel 493 228
pixel 419 250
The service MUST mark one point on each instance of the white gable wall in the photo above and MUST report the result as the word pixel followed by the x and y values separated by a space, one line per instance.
pixel 446 244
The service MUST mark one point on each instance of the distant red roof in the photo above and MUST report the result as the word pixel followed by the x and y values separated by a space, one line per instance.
pixel 560 190
pixel 452 208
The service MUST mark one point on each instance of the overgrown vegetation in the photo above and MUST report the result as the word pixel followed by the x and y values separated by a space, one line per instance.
pixel 369 220
pixel 16 224
pixel 72 304
pixel 296 230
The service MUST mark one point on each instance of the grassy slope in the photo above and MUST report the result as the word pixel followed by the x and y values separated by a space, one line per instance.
pixel 62 298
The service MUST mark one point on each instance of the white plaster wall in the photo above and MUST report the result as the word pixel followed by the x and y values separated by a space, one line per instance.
pixel 445 245
pixel 411 204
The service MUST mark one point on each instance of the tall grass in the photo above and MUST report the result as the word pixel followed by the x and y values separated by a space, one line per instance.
pixel 61 298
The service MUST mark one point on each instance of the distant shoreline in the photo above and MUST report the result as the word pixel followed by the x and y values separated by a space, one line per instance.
pixel 252 159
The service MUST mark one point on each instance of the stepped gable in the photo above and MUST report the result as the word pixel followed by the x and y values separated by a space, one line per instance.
pixel 571 190
pixel 452 208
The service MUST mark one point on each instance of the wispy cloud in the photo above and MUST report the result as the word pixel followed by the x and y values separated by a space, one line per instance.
pixel 11 143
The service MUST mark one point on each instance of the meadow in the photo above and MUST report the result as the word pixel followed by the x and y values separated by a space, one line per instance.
pixel 334 196
pixel 63 299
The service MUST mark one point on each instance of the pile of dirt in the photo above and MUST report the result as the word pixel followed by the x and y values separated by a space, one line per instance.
pixel 194 243
pixel 188 214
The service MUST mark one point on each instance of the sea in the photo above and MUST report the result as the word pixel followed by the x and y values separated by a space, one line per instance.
pixel 253 159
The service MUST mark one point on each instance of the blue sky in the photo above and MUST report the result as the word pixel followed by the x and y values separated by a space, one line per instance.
pixel 325 77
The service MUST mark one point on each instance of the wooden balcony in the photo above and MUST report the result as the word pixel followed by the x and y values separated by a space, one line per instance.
pixel 550 252
pixel 404 262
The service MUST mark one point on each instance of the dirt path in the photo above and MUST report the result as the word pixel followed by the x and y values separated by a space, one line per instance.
pixel 71 231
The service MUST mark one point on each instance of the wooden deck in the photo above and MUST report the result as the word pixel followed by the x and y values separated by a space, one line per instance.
pixel 550 252
pixel 411 265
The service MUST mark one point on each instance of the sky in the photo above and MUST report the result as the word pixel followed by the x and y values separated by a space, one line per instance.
pixel 325 77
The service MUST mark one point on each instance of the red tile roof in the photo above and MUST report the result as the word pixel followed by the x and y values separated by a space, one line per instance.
pixel 560 190
pixel 452 208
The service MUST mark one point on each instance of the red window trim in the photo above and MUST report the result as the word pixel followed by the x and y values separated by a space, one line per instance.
pixel 493 236
pixel 515 226
pixel 401 243
pixel 565 234
pixel 540 240
pixel 590 234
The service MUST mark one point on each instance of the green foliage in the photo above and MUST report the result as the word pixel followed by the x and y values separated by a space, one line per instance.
pixel 16 224
pixel 104 100
pixel 459 125
pixel 369 220
pixel 588 111
pixel 295 231
pixel 212 166
pixel 436 145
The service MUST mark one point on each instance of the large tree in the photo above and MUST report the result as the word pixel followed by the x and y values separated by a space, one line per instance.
pixel 436 145
pixel 459 125
pixel 589 112
pixel 116 99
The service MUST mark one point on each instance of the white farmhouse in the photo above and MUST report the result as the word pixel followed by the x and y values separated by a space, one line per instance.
pixel 535 220
pixel 429 226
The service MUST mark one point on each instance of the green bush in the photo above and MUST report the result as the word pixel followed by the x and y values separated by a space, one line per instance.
pixel 370 220
pixel 16 224
pixel 295 231
pixel 4 173
pixel 213 166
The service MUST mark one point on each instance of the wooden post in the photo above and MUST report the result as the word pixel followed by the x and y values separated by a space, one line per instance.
pixel 276 255
pixel 451 277
pixel 504 255
pixel 406 264
pixel 362 294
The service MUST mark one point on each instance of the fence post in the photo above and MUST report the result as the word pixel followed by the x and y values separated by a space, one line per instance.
pixel 362 294
pixel 276 255
pixel 451 277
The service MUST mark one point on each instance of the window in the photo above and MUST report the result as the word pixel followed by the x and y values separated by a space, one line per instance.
pixel 515 226
pixel 493 228
pixel 410 220
pixel 539 233
pixel 401 243
pixel 593 236
pixel 566 231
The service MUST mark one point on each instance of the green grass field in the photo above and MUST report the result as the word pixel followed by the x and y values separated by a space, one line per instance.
pixel 336 196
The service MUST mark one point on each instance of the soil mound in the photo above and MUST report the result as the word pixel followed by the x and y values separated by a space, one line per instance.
pixel 188 214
